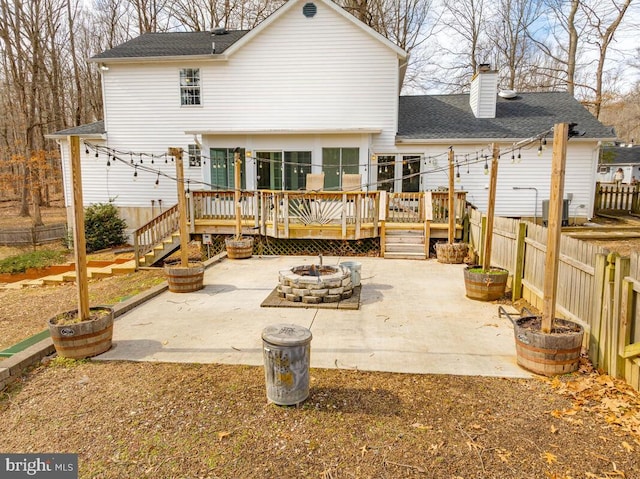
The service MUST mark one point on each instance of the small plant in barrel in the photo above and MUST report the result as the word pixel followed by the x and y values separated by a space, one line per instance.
pixel 185 277
pixel 238 247
pixel 484 282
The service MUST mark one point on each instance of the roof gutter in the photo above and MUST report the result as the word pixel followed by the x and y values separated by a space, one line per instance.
pixel 86 136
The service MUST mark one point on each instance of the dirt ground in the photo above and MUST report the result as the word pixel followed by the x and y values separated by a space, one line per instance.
pixel 151 420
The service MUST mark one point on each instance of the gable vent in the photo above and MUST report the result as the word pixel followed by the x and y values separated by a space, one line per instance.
pixel 309 10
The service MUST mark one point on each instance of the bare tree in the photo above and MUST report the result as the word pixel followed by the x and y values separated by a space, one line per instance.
pixel 515 50
pixel 603 20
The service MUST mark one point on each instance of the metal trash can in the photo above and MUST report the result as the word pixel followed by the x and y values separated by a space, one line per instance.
pixel 286 351
pixel 354 267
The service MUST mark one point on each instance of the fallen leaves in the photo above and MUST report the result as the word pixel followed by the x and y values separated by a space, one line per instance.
pixel 549 457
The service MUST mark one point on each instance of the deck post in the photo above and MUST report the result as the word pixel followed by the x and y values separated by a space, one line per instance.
pixel 452 212
pixel 182 206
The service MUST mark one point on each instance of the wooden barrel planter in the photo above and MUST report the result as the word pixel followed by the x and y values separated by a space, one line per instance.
pixel 82 339
pixel 185 279
pixel 485 285
pixel 548 354
pixel 453 253
pixel 239 248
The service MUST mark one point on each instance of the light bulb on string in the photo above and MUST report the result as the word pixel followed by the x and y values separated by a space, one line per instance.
pixel 188 189
pixel 544 143
pixel 86 149
pixel 519 156
pixel 486 165
pixel 157 181
pixel 97 153
pixel 135 172
pixel 141 161
pixel 152 162
pixel 458 173
pixel 108 161
pixel 131 156
pixel 540 149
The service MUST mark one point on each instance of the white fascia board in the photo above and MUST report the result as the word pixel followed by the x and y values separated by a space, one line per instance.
pixel 89 136
pixel 311 131
pixel 339 10
pixel 468 141
pixel 161 59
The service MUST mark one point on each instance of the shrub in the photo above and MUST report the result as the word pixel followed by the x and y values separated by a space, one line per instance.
pixel 103 227
pixel 34 259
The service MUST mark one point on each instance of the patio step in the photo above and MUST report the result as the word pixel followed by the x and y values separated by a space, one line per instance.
pixel 404 244
pixel 404 255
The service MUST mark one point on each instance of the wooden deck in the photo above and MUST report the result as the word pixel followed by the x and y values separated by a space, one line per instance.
pixel 342 215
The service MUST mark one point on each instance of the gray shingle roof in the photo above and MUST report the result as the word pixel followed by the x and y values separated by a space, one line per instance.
pixel 620 155
pixel 172 44
pixel 432 117
pixel 95 128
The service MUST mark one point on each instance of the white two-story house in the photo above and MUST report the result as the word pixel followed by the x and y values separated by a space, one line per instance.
pixel 313 90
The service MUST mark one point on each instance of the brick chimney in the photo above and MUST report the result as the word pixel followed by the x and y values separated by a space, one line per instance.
pixel 484 92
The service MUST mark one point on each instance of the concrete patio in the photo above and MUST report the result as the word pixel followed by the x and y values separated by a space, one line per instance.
pixel 414 317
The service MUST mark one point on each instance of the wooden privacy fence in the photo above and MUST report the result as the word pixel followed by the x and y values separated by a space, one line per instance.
pixel 617 197
pixel 596 288
pixel 33 236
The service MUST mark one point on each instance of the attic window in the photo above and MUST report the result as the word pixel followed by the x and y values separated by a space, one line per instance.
pixel 309 10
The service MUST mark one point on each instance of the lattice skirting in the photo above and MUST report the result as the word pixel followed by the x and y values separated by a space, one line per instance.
pixel 264 245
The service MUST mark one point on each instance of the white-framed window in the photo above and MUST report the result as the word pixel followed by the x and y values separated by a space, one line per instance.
pixel 195 157
pixel 190 87
pixel 337 162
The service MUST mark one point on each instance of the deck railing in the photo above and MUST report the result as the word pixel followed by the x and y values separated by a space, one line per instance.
pixel 353 214
pixel 152 233
pixel 413 207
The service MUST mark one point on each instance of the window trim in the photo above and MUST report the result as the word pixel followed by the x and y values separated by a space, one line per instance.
pixel 197 86
pixel 195 159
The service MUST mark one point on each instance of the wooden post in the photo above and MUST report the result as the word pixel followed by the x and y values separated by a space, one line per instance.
pixel 558 163
pixel 182 207
pixel 493 182
pixel 516 287
pixel 452 214
pixel 237 164
pixel 79 240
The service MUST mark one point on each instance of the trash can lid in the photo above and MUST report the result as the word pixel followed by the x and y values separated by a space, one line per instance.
pixel 286 335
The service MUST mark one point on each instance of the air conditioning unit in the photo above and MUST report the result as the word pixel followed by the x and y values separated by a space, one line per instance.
pixel 565 212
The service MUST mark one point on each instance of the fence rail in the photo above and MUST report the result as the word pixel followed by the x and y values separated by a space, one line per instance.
pixel 33 236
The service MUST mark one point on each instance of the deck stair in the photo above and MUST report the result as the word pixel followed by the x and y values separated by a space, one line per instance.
pixel 163 249
pixel 404 244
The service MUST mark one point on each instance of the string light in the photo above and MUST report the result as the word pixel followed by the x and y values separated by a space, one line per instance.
pixel 135 172
pixel 540 149
pixel 480 155
pixel 157 180
pixel 519 155
pixel 86 149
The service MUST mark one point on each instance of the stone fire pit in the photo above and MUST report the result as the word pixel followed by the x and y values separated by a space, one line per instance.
pixel 315 284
